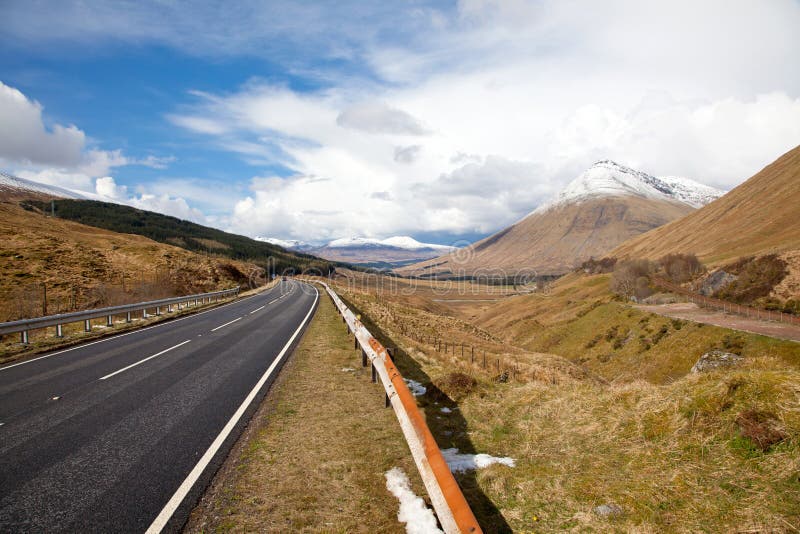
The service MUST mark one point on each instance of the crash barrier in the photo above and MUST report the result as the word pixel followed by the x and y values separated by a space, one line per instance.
pixel 24 325
pixel 455 515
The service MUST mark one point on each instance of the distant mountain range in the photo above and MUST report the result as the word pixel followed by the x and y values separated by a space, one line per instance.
pixel 389 252
pixel 14 187
pixel 603 207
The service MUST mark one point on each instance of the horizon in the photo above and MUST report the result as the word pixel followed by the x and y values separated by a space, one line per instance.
pixel 443 122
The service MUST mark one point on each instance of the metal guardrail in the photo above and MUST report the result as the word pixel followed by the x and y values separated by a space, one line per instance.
pixel 24 325
pixel 448 501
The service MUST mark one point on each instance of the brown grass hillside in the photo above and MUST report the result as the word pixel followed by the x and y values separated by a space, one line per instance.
pixel 557 240
pixel 83 267
pixel 760 216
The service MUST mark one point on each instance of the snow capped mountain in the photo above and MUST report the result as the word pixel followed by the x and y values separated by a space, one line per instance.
pixel 9 183
pixel 403 242
pixel 609 179
pixel 291 244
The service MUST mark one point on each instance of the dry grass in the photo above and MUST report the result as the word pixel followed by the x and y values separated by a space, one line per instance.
pixel 317 450
pixel 685 454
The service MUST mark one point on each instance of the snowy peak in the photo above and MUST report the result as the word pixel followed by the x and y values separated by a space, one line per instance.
pixel 402 242
pixel 9 183
pixel 290 244
pixel 607 179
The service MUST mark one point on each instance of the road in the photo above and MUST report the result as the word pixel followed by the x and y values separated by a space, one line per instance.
pixel 125 433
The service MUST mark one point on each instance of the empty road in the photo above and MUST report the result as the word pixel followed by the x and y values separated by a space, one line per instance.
pixel 124 434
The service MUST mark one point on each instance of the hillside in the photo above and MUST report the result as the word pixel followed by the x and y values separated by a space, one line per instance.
pixel 603 207
pixel 181 233
pixel 15 188
pixel 78 266
pixel 760 216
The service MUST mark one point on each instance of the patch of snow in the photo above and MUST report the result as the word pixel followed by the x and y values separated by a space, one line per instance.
pixel 348 370
pixel 607 179
pixel 419 519
pixel 445 409
pixel 9 182
pixel 291 244
pixel 416 388
pixel 403 242
pixel 469 462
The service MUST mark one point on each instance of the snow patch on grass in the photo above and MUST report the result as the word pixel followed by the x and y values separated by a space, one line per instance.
pixel 469 462
pixel 348 370
pixel 446 410
pixel 419 519
pixel 416 388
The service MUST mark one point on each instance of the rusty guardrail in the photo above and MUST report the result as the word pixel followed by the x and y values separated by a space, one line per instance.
pixel 452 509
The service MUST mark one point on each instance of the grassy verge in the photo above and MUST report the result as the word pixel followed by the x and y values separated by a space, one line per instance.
pixel 314 456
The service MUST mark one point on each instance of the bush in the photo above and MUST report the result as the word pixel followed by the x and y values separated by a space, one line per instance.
pixel 593 266
pixel 681 267
pixel 756 278
pixel 632 278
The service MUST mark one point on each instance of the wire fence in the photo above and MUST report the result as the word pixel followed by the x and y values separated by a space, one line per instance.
pixel 727 307
pixel 468 354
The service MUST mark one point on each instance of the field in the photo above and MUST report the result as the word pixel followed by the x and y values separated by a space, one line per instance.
pixel 664 449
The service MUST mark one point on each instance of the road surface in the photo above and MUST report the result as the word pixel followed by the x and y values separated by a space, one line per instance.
pixel 124 434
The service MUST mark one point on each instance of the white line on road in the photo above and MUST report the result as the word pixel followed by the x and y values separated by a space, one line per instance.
pixel 142 361
pixel 163 517
pixel 137 331
pixel 226 324
pixel 258 309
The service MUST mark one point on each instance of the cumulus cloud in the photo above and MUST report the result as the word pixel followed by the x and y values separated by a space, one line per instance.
pixel 24 138
pixel 379 118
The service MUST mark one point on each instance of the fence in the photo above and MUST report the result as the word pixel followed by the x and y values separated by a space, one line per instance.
pixel 451 507
pixel 24 325
pixel 728 307
pixel 477 358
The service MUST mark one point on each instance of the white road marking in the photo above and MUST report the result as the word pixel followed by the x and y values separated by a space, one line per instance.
pixel 142 361
pixel 55 398
pixel 82 345
pixel 163 517
pixel 226 324
pixel 258 309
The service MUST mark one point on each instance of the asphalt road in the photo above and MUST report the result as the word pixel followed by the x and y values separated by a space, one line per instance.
pixel 124 434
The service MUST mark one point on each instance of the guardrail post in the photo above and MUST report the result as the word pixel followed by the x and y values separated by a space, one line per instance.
pixel 59 331
pixel 363 358
pixel 374 374
pixel 23 337
pixel 169 308
pixel 87 325
pixel 128 317
pixel 144 313
pixel 158 310
pixel 110 320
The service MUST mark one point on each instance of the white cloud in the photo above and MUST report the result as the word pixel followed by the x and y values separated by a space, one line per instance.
pixel 377 117
pixel 25 139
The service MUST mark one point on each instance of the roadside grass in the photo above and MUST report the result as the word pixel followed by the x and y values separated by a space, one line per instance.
pixel 314 456
pixel 680 453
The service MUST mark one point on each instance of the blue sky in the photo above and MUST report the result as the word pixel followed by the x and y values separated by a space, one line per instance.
pixel 441 120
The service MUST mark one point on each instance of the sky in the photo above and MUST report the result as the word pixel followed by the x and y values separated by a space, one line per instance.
pixel 445 121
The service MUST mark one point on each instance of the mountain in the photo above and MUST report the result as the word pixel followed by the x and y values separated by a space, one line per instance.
pixel 288 244
pixel 185 234
pixel 603 207
pixel 393 251
pixel 15 188
pixel 760 216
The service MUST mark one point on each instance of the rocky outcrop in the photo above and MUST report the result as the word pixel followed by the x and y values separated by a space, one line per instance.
pixel 715 359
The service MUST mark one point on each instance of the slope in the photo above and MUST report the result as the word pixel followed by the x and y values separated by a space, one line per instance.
pixel 760 216
pixel 600 209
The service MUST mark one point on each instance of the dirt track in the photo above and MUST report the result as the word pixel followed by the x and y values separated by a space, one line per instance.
pixel 692 312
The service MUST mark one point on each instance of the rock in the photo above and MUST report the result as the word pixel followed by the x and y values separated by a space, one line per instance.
pixel 715 359
pixel 608 510
pixel 716 281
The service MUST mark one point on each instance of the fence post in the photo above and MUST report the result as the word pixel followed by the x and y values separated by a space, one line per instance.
pixel 484 358
pixel 363 358
pixel 374 373
pixel 87 325
pixel 128 317
pixel 472 358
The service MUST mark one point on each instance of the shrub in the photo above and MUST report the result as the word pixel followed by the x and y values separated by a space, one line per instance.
pixel 681 267
pixel 593 266
pixel 756 278
pixel 631 278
